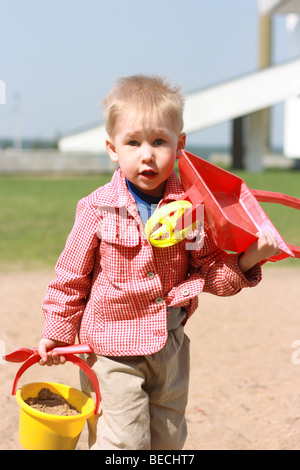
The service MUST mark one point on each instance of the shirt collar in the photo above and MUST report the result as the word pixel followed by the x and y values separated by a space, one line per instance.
pixel 123 197
pixel 174 190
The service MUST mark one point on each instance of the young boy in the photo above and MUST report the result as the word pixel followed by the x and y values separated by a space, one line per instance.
pixel 128 299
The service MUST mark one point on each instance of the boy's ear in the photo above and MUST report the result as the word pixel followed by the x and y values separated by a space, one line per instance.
pixel 111 150
pixel 180 144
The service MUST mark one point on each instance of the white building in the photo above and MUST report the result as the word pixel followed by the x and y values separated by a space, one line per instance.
pixel 250 96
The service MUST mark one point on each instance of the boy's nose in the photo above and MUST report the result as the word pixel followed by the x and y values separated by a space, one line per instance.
pixel 147 153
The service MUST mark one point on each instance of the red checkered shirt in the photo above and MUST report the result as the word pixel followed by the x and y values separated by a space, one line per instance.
pixel 113 287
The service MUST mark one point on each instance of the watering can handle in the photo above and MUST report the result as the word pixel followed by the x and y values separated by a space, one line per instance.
pixel 69 357
pixel 279 198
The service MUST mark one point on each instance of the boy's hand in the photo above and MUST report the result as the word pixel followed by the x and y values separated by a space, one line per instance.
pixel 46 356
pixel 263 248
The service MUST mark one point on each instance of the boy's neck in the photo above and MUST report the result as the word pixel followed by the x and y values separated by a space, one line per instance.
pixel 147 197
pixel 143 195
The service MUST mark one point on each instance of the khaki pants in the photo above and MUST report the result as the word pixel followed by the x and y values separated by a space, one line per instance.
pixel 143 398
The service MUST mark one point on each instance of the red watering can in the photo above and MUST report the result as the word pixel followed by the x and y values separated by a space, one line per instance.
pixel 232 213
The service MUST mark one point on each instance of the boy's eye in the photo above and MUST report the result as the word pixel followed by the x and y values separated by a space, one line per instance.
pixel 133 143
pixel 158 141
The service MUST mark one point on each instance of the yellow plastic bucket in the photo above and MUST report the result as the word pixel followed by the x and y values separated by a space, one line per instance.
pixel 43 431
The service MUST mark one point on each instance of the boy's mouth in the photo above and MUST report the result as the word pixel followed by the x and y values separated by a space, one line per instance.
pixel 148 173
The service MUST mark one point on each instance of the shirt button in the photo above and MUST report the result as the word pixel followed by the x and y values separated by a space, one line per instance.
pixel 150 275
pixel 186 292
pixel 159 300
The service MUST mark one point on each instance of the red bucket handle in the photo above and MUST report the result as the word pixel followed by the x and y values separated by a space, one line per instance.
pixel 69 357
pixel 279 198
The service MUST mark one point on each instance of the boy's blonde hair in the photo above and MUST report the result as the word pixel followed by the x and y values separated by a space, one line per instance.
pixel 154 98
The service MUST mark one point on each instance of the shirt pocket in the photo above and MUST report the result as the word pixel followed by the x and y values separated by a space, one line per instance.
pixel 120 244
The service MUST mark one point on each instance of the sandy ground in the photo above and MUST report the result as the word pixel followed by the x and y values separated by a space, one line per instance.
pixel 245 376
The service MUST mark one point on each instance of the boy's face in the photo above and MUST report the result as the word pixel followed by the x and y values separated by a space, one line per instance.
pixel 146 152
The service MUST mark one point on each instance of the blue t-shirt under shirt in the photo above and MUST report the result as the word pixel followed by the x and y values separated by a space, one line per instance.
pixel 146 204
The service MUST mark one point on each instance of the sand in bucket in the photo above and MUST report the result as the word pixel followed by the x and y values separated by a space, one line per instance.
pixel 47 431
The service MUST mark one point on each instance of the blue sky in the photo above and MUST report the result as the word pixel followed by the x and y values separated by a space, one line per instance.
pixel 62 56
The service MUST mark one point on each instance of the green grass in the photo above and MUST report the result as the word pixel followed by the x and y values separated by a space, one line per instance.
pixel 37 214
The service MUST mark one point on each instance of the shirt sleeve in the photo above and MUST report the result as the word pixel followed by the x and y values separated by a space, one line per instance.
pixel 220 269
pixel 66 295
pixel 214 271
